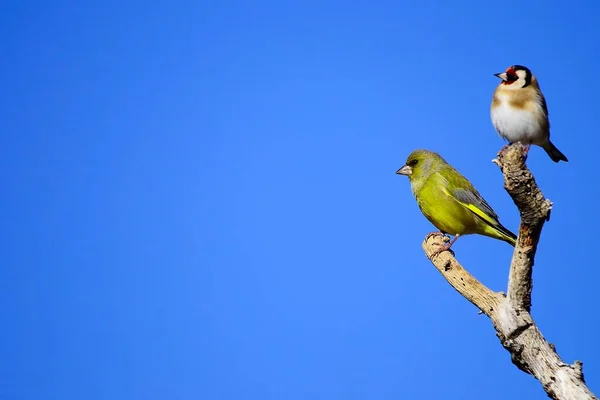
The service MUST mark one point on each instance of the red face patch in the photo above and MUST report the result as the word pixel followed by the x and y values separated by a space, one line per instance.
pixel 511 76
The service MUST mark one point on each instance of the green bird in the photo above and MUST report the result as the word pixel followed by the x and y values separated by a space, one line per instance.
pixel 449 201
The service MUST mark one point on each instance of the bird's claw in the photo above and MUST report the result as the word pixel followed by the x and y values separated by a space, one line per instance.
pixel 502 150
pixel 525 149
pixel 443 248
pixel 436 233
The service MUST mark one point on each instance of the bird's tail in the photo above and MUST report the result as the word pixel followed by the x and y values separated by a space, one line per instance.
pixel 506 235
pixel 555 154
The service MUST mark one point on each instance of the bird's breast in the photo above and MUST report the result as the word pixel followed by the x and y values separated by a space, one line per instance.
pixel 516 124
pixel 442 210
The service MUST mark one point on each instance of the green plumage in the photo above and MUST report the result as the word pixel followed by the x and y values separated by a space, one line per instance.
pixel 448 200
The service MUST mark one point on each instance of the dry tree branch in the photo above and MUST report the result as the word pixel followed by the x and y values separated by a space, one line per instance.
pixel 510 314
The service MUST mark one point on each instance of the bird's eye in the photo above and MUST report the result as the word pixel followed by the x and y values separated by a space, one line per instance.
pixel 412 163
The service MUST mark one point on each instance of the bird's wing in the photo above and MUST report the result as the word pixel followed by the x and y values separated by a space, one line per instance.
pixel 455 185
pixel 543 103
pixel 476 204
pixel 544 120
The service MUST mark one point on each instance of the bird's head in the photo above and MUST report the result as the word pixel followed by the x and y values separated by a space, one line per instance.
pixel 420 163
pixel 515 77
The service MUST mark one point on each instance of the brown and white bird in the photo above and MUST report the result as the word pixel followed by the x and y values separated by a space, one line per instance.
pixel 519 112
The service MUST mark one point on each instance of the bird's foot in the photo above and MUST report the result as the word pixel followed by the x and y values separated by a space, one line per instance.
pixel 443 248
pixel 525 149
pixel 503 149
pixel 432 234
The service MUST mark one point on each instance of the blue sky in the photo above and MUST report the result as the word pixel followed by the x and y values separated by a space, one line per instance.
pixel 200 199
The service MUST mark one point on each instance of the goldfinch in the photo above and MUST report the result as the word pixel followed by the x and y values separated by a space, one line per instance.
pixel 449 201
pixel 519 112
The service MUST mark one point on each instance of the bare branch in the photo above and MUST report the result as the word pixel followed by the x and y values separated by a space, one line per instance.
pixel 535 210
pixel 510 315
pixel 460 279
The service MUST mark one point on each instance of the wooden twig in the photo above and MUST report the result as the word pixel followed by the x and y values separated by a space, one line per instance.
pixel 510 314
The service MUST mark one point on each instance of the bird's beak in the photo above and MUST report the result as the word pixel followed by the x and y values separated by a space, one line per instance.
pixel 405 170
pixel 502 75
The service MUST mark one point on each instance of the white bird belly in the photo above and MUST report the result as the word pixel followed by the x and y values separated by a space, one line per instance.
pixel 517 125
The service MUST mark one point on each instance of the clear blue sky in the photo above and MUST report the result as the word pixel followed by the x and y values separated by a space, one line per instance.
pixel 200 200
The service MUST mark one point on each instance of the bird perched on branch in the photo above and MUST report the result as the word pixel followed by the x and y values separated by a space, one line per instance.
pixel 519 112
pixel 449 201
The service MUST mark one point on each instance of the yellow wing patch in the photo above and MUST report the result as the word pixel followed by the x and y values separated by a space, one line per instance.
pixel 474 209
pixel 480 213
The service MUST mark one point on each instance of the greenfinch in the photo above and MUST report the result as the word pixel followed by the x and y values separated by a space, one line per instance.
pixel 449 201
